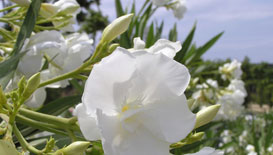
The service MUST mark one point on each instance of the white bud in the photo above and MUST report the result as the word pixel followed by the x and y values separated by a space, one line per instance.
pixel 116 28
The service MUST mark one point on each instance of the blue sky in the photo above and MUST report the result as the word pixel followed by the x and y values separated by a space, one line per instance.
pixel 248 26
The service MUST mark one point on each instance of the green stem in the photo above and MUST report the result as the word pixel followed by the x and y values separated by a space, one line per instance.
pixel 5 34
pixel 39 125
pixel 81 77
pixel 23 142
pixel 69 74
pixel 5 21
pixel 72 135
pixel 68 123
pixel 8 8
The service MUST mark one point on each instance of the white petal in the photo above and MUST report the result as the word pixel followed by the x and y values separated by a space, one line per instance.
pixel 168 118
pixel 165 47
pixel 138 43
pixel 37 99
pixel 100 89
pixel 208 151
pixel 46 36
pixel 87 123
pixel 30 63
pixel 67 6
pixel 117 141
pixel 160 70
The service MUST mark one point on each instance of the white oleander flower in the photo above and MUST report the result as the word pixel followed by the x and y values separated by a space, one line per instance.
pixel 62 7
pixel 205 93
pixel 76 49
pixel 50 43
pixel 236 84
pixel 243 138
pixel 208 151
pixel 270 149
pixel 137 102
pixel 226 136
pixel 64 54
pixel 251 150
pixel 231 70
pixel 163 46
pixel 179 8
pixel 231 105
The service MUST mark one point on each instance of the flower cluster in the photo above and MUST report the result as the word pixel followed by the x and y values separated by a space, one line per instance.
pixel 231 70
pixel 230 97
pixel 62 54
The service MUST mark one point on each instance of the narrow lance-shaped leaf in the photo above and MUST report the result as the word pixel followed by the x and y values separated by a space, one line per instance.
pixel 186 45
pixel 203 49
pixel 28 25
pixel 119 9
pixel 150 37
pixel 159 31
pixel 144 19
pixel 173 34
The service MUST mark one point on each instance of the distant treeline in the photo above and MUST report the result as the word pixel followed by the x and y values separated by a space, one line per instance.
pixel 258 78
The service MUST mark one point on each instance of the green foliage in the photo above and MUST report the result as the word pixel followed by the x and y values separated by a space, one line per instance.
pixel 258 82
pixel 7 67
pixel 57 107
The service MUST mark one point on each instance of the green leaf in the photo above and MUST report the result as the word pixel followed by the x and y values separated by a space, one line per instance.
pixel 28 25
pixel 144 19
pixel 8 66
pixel 203 49
pixel 159 31
pixel 173 34
pixel 7 148
pixel 119 9
pixel 150 36
pixel 60 105
pixel 189 53
pixel 185 46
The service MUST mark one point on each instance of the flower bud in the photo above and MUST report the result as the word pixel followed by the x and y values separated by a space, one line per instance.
pixel 47 10
pixel 195 137
pixel 31 86
pixel 75 148
pixel 21 85
pixel 204 116
pixel 116 28
pixel 22 2
pixel 190 102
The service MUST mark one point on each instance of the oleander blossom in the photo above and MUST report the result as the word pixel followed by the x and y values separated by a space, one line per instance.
pixel 231 70
pixel 135 103
pixel 179 8
pixel 206 92
pixel 232 100
pixel 63 54
pixel 208 151
pixel 62 7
